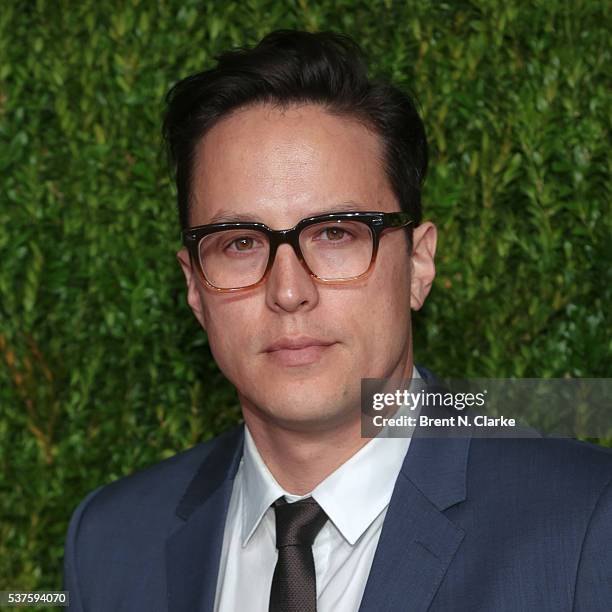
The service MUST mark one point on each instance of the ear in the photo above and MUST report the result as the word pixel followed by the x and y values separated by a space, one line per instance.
pixel 424 239
pixel 193 295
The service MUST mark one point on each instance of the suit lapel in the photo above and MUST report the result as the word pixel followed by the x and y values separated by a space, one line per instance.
pixel 193 551
pixel 417 541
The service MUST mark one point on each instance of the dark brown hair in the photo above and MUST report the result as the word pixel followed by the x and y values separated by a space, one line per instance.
pixel 295 67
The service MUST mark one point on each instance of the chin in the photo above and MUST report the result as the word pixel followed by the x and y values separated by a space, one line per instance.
pixel 311 412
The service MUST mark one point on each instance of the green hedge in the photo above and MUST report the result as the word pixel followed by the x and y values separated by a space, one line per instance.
pixel 103 368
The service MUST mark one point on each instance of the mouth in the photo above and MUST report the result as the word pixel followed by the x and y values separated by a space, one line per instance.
pixel 298 351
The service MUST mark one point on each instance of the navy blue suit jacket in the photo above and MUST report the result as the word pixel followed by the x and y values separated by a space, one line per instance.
pixel 473 525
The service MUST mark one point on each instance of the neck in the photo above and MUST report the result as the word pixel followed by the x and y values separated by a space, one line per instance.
pixel 300 460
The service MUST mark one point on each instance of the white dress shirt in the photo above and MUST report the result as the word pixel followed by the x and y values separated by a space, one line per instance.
pixel 355 497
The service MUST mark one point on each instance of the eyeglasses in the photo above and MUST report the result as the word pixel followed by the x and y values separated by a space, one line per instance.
pixel 333 248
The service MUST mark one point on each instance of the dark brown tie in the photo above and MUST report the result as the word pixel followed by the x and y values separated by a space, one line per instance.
pixel 294 587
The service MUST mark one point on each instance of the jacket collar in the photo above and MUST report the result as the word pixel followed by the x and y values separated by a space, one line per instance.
pixel 437 466
pixel 193 551
pixel 219 466
pixel 418 542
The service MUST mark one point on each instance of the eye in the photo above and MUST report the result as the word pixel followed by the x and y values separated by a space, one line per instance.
pixel 241 243
pixel 332 234
pixel 245 243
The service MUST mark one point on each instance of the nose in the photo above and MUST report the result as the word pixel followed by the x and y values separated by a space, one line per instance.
pixel 289 286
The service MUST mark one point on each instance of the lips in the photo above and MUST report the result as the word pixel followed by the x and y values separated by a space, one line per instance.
pixel 298 351
pixel 296 343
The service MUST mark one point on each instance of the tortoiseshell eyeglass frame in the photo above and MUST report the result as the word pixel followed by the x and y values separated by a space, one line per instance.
pixel 378 222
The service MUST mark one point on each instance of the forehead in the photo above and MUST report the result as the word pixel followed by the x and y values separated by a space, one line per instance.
pixel 278 165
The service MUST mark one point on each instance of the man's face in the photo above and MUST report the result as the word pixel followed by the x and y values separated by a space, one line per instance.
pixel 277 167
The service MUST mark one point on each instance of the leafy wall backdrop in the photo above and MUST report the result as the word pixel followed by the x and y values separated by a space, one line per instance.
pixel 103 368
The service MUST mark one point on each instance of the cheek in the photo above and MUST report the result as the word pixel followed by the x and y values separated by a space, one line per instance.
pixel 390 286
pixel 229 328
pixel 388 310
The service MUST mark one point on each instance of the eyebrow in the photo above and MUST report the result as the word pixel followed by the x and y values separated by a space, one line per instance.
pixel 230 216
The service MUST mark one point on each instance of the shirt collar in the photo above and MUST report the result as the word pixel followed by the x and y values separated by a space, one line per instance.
pixel 260 488
pixel 352 496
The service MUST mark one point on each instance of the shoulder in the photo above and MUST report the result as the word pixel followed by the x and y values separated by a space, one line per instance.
pixel 118 508
pixel 535 467
pixel 551 459
pixel 553 499
pixel 121 527
pixel 555 479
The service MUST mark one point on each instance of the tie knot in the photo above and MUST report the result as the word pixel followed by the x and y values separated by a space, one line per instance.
pixel 298 524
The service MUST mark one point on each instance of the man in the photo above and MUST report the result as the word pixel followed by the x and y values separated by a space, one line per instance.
pixel 299 195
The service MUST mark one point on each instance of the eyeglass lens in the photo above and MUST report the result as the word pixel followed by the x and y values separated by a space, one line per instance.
pixel 332 250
